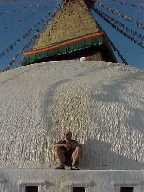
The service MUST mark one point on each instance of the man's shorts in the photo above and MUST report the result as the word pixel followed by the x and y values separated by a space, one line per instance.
pixel 68 157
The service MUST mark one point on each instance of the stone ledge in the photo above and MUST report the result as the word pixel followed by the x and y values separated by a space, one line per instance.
pixel 65 181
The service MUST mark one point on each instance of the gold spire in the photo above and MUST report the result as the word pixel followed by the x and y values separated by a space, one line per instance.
pixel 72 21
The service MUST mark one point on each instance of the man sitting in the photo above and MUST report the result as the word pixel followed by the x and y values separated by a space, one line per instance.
pixel 68 152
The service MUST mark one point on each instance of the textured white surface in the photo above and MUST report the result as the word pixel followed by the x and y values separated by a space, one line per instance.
pixel 102 104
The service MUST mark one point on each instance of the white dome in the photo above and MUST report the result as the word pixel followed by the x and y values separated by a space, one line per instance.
pixel 101 103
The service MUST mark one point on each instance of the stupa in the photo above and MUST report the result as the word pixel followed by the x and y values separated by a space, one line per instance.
pixel 101 102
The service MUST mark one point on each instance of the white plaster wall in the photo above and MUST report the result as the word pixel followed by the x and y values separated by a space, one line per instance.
pixel 101 103
pixel 49 180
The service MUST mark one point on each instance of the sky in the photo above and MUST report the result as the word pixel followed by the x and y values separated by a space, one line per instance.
pixel 131 52
pixel 17 17
pixel 21 20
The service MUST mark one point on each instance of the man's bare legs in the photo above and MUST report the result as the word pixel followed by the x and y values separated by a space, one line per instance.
pixel 76 155
pixel 59 152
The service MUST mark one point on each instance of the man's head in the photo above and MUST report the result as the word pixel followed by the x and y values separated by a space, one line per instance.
pixel 68 135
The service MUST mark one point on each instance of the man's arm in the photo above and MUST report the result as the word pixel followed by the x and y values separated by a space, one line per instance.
pixel 60 144
pixel 75 144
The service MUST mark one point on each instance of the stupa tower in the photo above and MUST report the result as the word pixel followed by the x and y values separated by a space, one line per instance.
pixel 72 34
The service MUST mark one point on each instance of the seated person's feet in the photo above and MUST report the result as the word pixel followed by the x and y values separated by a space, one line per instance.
pixel 75 168
pixel 60 167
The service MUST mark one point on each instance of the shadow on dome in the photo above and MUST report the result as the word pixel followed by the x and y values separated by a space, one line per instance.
pixel 98 155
